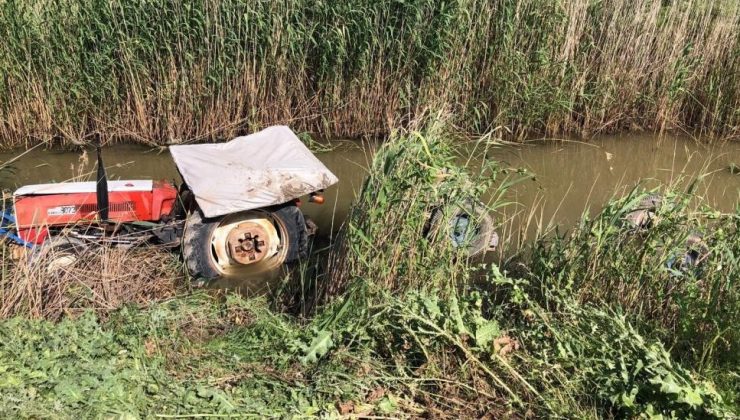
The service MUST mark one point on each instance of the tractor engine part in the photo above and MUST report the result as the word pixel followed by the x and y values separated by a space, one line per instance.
pixel 39 208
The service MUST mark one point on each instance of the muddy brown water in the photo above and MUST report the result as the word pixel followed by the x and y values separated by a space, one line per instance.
pixel 570 176
pixel 573 177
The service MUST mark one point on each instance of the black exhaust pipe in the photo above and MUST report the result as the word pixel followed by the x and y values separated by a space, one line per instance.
pixel 101 188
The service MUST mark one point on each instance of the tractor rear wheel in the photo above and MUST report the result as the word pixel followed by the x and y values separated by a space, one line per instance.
pixel 243 246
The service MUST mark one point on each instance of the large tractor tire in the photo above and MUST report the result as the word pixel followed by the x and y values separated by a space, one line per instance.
pixel 243 246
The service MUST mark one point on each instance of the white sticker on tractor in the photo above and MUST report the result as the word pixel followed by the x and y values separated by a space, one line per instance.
pixel 61 210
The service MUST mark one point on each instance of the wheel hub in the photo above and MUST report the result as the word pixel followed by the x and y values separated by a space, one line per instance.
pixel 246 243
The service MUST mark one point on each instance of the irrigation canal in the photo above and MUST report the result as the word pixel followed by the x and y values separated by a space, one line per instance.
pixel 570 176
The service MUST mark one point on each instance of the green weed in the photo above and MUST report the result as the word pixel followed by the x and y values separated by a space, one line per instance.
pixel 190 356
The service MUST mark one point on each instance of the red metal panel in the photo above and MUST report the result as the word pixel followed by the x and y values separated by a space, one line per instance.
pixel 34 235
pixel 163 199
pixel 64 209
pixel 34 213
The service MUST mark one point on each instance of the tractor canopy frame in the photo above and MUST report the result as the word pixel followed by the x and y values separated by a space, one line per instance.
pixel 260 170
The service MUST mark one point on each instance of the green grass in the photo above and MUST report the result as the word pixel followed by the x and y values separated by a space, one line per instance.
pixel 193 355
pixel 160 72
pixel 596 323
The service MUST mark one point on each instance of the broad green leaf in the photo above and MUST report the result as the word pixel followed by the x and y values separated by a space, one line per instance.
pixel 387 405
pixel 430 304
pixel 668 385
pixel 693 398
pixel 486 332
pixel 456 316
pixel 319 347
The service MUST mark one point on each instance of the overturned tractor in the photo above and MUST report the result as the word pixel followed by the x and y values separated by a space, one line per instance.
pixel 236 212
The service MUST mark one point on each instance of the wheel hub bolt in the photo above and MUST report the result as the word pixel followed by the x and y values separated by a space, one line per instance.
pixel 250 245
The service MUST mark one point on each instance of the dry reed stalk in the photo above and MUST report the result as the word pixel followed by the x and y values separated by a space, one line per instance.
pixel 103 279
pixel 352 69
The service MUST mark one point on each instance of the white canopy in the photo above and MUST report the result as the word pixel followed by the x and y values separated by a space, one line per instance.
pixel 262 169
pixel 83 187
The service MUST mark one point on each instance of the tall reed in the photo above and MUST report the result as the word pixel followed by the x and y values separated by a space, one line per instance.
pixel 161 72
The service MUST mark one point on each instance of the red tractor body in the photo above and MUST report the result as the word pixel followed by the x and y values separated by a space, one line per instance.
pixel 41 207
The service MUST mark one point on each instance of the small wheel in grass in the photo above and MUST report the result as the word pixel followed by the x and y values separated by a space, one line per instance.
pixel 470 228
pixel 692 259
pixel 643 216
pixel 57 254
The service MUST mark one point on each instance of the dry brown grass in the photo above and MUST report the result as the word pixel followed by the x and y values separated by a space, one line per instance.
pixel 103 279
pixel 75 69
